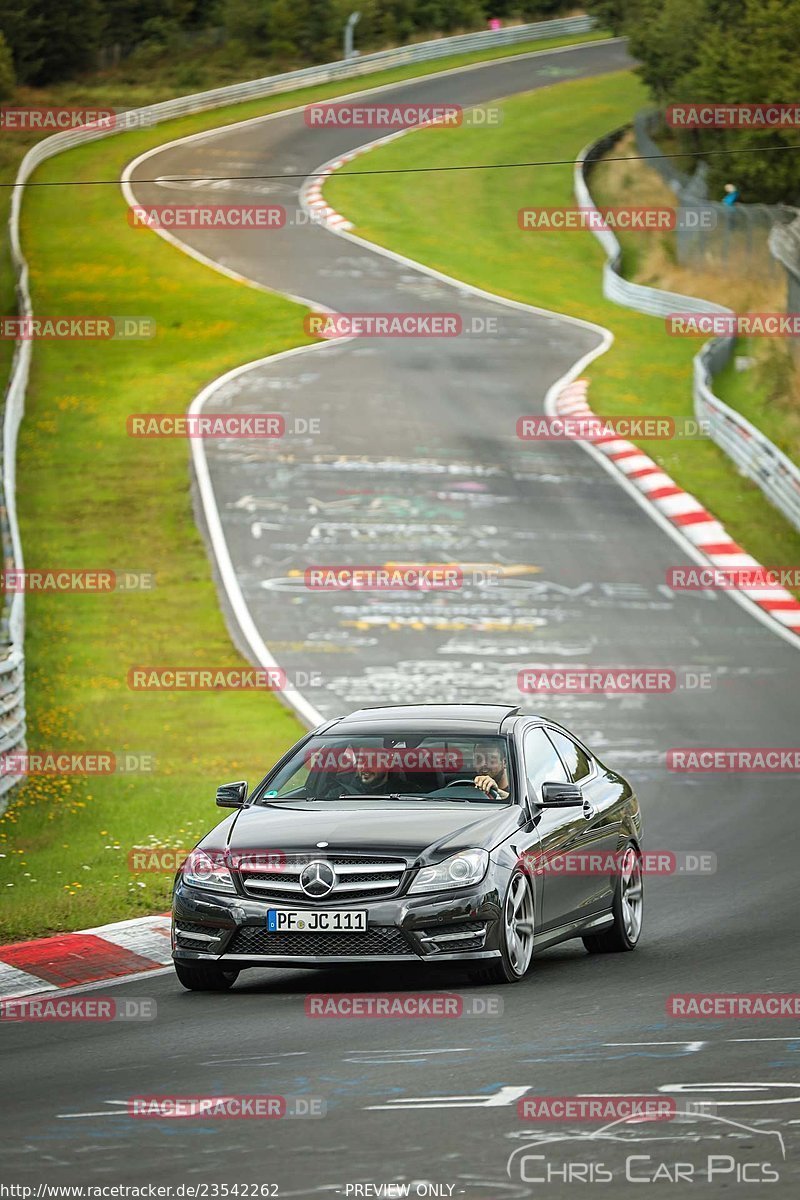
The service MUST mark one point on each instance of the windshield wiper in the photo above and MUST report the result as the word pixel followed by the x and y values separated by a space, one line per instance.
pixel 375 796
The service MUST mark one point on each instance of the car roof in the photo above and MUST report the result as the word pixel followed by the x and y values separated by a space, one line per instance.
pixel 422 718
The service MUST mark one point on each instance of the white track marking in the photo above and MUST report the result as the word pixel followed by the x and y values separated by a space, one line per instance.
pixel 728 1087
pixel 692 1047
pixel 501 1099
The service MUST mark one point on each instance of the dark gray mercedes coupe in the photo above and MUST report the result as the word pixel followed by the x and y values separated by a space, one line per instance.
pixel 468 834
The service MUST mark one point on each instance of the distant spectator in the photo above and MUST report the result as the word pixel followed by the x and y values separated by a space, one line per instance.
pixel 495 23
pixel 731 194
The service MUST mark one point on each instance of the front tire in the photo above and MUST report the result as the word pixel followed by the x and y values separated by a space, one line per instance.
pixel 516 936
pixel 628 909
pixel 205 977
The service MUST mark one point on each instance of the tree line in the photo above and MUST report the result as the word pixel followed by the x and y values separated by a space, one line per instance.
pixel 52 40
pixel 725 52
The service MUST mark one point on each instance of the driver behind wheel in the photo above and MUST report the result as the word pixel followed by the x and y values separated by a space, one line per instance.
pixel 491 769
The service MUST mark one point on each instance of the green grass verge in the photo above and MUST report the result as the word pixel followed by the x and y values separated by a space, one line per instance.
pixel 89 495
pixel 465 224
pixel 766 393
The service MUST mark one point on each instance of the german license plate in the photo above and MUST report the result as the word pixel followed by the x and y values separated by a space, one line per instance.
pixel 291 920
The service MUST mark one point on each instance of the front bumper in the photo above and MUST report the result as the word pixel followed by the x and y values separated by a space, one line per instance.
pixel 439 928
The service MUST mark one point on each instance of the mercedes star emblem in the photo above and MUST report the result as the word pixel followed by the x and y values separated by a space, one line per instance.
pixel 317 878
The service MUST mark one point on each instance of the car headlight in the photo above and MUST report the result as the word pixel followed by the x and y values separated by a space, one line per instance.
pixel 204 870
pixel 460 870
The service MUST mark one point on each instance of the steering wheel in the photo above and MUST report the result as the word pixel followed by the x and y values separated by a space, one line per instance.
pixel 469 783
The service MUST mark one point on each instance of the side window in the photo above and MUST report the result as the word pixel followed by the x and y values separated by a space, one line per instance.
pixel 577 764
pixel 542 764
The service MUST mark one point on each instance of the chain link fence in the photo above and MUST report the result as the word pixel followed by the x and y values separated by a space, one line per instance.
pixel 784 242
pixel 738 237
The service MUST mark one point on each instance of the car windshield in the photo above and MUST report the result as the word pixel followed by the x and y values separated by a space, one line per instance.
pixel 439 768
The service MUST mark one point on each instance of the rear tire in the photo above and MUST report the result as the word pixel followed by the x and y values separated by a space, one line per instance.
pixel 628 909
pixel 516 936
pixel 205 977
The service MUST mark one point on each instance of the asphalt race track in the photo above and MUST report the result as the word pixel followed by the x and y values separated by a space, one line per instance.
pixel 417 460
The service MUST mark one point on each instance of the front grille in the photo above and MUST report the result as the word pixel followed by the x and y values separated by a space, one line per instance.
pixel 255 939
pixel 358 877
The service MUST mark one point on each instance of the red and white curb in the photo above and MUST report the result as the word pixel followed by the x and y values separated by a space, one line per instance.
pixel 312 199
pixel 682 509
pixel 89 956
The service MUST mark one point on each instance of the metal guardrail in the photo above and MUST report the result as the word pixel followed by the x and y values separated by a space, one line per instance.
pixel 616 287
pixel 12 620
pixel 753 453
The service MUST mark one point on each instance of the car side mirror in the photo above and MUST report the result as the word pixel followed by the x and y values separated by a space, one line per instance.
pixel 232 795
pixel 561 795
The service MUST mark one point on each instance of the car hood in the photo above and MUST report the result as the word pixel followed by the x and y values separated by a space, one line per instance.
pixel 415 831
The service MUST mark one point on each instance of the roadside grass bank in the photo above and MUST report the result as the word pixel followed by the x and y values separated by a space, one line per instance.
pixel 91 496
pixel 465 224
